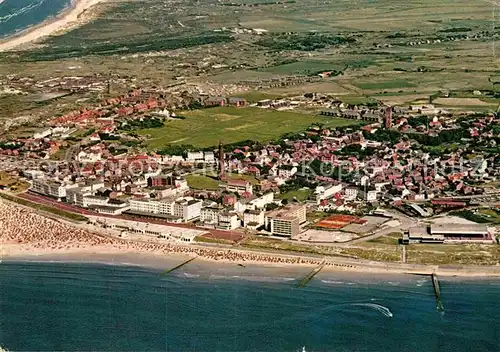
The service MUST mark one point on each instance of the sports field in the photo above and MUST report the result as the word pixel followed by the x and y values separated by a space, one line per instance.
pixel 206 127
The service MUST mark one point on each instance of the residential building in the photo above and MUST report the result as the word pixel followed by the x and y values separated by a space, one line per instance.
pixel 326 192
pixel 195 156
pixel 51 188
pixel 238 186
pixel 228 221
pixel 209 216
pixel 90 157
pixel 369 194
pixel 351 193
pixel 162 206
pixel 253 218
pixel 287 171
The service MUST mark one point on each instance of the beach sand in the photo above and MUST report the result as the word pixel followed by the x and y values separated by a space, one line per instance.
pixel 65 20
pixel 25 234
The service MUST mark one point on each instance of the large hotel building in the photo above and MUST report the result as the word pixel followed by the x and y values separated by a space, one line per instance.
pixel 286 221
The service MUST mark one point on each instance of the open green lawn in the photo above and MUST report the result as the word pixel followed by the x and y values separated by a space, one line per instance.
pixel 300 194
pixel 209 180
pixel 202 182
pixel 206 127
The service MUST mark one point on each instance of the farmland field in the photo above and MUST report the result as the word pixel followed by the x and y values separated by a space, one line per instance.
pixel 397 52
pixel 205 128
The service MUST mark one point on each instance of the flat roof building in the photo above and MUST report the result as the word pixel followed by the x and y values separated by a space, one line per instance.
pixel 144 228
pixel 449 233
pixel 286 221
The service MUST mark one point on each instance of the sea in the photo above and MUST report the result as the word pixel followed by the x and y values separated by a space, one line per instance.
pixel 17 15
pixel 56 306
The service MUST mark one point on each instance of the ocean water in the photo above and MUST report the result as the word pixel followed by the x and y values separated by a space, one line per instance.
pixel 57 306
pixel 16 15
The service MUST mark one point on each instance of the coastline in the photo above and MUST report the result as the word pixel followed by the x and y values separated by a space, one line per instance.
pixel 37 237
pixel 160 260
pixel 63 21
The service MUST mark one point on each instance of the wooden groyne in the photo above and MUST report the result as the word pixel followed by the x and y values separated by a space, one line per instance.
pixel 437 292
pixel 166 272
pixel 310 276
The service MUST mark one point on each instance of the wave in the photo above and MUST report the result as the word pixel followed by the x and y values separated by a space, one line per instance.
pixel 21 11
pixel 253 278
pixel 384 310
pixel 332 282
pixel 393 283
pixel 191 275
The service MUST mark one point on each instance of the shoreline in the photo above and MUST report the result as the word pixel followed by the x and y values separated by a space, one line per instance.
pixel 27 234
pixel 64 20
pixel 161 260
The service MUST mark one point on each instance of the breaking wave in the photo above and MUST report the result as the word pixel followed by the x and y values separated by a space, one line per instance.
pixel 384 310
pixel 253 278
pixel 21 11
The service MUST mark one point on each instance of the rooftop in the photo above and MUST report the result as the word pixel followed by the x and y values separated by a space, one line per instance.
pixel 459 228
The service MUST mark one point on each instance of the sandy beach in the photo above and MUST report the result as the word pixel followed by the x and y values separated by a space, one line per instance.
pixel 26 234
pixel 66 19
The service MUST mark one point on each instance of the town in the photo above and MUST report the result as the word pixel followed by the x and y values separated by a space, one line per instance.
pixel 419 173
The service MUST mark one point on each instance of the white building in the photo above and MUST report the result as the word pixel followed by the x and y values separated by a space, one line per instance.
pixel 75 196
pixel 369 194
pixel 287 171
pixel 171 159
pixel 187 209
pixel 228 221
pixel 253 218
pixel 209 157
pixel 262 201
pixel 195 156
pixel 42 133
pixel 351 193
pixel 153 206
pixel 91 186
pixel 325 192
pixel 286 221
pixel 209 216
pixel 128 227
pixel 51 188
pixel 90 157
pixel 90 200
pixel 238 186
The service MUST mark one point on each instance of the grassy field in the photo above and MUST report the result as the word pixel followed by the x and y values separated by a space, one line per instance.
pixel 392 239
pixel 300 194
pixel 466 254
pixel 202 182
pixel 204 128
pixel 210 182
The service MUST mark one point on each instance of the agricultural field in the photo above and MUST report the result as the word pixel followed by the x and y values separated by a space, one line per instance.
pixel 206 127
pixel 396 52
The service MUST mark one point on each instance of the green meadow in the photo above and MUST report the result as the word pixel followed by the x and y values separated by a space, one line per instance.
pixel 206 127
